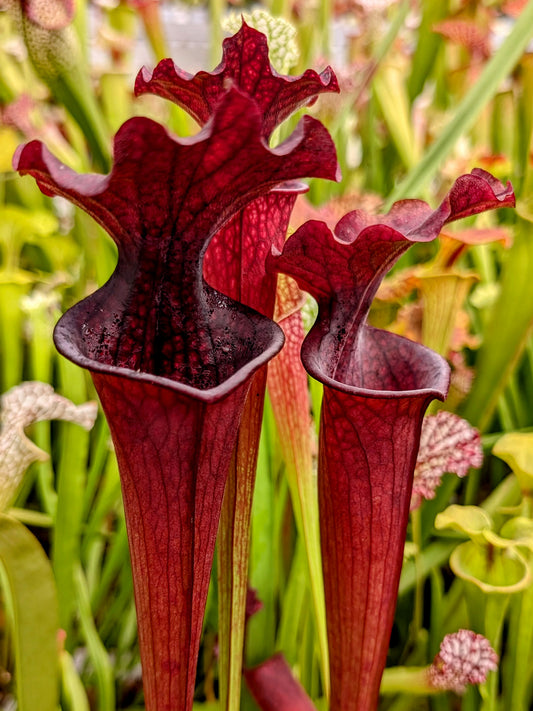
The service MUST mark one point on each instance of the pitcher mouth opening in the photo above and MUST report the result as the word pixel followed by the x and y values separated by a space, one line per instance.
pixel 243 341
pixel 396 368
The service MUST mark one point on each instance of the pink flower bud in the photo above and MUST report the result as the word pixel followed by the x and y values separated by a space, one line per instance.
pixel 464 658
pixel 447 444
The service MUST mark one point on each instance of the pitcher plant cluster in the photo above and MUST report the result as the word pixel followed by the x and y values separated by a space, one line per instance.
pixel 200 316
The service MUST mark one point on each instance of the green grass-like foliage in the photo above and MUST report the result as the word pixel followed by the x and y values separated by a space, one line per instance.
pixel 419 107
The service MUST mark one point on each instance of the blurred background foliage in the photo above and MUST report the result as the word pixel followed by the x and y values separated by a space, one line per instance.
pixel 429 90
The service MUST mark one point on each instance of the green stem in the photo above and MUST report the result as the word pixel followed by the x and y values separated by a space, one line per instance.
pixel 436 554
pixel 153 26
pixel 216 15
pixel 74 697
pixel 522 652
pixel 234 546
pixel 496 607
pixel 418 614
pixel 406 680
pixel 97 653
pixel 70 488
pixel 29 517
pixel 324 20
pixel 11 333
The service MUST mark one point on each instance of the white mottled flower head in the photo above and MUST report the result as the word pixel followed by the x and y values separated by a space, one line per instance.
pixel 447 444
pixel 20 407
pixel 464 658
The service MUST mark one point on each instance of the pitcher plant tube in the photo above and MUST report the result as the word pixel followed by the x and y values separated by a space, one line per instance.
pixel 377 386
pixel 171 357
pixel 235 265
pixel 176 337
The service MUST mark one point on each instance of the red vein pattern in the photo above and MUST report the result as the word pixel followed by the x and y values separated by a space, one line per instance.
pixel 377 387
pixel 171 357
pixel 162 203
pixel 235 265
pixel 245 64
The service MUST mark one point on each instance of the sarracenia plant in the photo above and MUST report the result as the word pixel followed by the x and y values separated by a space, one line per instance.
pixel 235 265
pixel 174 344
pixel 376 388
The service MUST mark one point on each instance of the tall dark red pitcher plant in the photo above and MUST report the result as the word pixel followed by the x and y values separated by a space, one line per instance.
pixel 235 265
pixel 170 356
pixel 377 386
